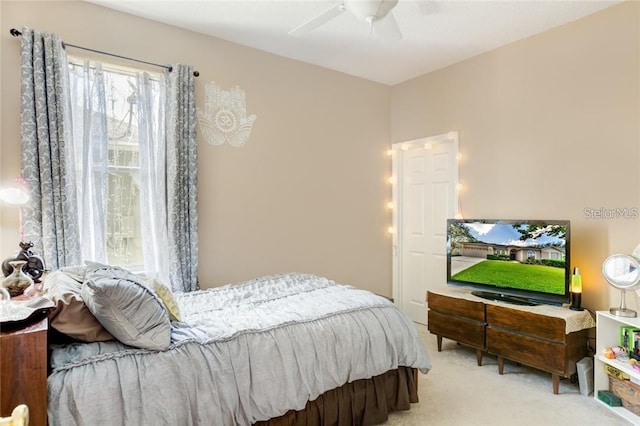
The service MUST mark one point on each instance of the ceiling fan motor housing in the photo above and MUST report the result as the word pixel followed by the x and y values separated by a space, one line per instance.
pixel 370 10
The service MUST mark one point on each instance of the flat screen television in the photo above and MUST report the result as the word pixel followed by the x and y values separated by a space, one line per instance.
pixel 516 261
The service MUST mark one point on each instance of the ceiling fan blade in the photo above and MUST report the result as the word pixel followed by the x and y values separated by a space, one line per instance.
pixel 387 28
pixel 319 20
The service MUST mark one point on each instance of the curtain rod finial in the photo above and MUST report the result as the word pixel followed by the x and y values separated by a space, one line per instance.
pixel 15 32
pixel 196 74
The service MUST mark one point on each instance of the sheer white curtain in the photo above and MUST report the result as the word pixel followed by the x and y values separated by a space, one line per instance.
pixel 151 98
pixel 90 156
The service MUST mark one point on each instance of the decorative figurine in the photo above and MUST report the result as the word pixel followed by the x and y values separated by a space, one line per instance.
pixel 34 267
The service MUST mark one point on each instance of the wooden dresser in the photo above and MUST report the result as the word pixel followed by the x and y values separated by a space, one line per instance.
pixel 23 371
pixel 546 337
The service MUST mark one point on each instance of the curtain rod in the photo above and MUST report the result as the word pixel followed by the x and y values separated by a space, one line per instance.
pixel 169 68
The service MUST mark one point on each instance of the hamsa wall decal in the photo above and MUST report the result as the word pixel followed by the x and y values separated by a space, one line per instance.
pixel 224 118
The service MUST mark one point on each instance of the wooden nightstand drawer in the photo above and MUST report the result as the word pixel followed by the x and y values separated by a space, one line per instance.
pixel 23 371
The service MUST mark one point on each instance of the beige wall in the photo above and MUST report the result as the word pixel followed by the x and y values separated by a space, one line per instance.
pixel 549 126
pixel 308 191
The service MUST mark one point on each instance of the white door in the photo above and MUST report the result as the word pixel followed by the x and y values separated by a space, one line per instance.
pixel 425 194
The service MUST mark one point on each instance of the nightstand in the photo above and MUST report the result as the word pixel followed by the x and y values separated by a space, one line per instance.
pixel 23 371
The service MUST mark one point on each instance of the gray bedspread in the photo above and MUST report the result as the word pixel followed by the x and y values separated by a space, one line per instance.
pixel 241 354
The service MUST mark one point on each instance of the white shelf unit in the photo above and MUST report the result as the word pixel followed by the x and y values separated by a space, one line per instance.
pixel 608 335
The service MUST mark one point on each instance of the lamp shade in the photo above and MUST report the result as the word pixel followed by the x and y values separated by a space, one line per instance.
pixel 13 195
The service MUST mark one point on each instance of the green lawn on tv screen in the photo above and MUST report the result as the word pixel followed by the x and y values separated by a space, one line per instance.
pixel 515 275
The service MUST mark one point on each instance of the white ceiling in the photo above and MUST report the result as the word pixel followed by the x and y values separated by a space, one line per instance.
pixel 435 33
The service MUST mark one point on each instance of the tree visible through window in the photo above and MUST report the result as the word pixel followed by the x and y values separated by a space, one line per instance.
pixel 123 195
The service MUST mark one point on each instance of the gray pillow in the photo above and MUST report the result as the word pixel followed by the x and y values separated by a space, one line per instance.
pixel 77 272
pixel 126 307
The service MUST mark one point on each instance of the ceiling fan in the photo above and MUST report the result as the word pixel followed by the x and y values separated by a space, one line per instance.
pixel 376 12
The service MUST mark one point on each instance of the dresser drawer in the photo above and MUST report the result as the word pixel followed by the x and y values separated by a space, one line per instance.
pixel 543 354
pixel 459 329
pixel 456 306
pixel 523 322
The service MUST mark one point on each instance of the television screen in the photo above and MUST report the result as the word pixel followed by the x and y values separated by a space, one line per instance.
pixel 524 260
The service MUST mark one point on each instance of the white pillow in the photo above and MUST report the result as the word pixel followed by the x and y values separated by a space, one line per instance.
pixel 126 307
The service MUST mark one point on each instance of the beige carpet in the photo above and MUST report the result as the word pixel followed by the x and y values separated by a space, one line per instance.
pixel 459 393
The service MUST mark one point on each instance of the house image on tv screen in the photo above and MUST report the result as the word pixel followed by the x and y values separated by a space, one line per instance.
pixel 512 252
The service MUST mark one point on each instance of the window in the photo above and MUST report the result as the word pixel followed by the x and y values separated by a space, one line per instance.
pixel 555 256
pixel 66 151
pixel 114 218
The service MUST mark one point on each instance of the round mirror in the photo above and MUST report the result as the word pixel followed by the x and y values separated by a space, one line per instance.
pixel 623 272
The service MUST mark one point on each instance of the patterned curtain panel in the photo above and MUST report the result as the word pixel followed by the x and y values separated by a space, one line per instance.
pixel 182 182
pixel 50 218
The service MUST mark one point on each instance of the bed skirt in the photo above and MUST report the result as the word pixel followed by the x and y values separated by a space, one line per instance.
pixel 362 402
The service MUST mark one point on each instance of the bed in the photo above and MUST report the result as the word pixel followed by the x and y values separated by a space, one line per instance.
pixel 287 349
